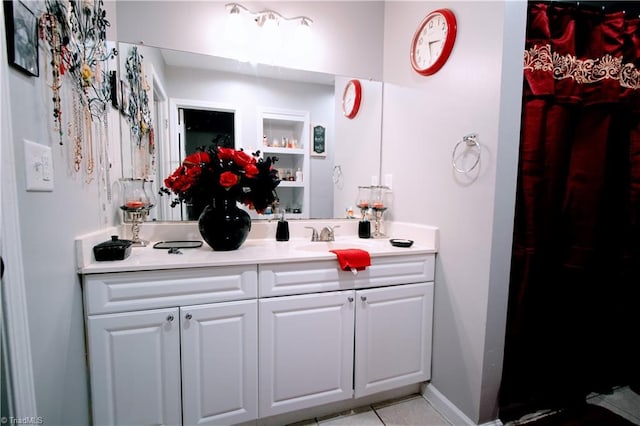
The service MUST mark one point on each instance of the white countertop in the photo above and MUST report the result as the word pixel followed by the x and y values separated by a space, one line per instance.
pixel 258 249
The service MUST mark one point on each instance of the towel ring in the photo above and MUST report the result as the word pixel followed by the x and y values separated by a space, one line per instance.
pixel 471 141
pixel 337 176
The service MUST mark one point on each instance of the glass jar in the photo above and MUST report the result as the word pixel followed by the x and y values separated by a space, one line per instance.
pixel 380 198
pixel 363 200
pixel 136 194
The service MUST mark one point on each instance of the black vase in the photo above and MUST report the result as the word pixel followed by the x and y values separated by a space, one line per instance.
pixel 223 225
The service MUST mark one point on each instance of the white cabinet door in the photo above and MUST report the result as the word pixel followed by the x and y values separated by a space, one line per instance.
pixel 135 367
pixel 393 337
pixel 306 351
pixel 219 362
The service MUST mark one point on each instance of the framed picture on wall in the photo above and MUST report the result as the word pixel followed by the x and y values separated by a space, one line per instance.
pixel 318 140
pixel 22 37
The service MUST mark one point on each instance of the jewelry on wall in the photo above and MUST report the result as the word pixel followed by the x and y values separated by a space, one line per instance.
pixel 138 113
pixel 77 55
pixel 103 159
pixel 89 163
pixel 75 133
pixel 49 33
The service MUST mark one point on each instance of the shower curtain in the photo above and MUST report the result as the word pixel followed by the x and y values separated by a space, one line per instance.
pixel 574 300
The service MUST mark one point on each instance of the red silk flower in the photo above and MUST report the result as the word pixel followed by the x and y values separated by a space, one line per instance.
pixel 251 170
pixel 228 179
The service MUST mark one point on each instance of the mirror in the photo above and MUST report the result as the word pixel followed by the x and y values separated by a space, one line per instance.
pixel 278 111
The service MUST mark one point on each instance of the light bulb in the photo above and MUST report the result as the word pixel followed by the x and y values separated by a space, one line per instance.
pixel 301 43
pixel 271 39
pixel 236 32
pixel 270 25
pixel 303 31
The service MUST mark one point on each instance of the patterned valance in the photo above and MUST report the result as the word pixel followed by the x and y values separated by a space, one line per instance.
pixel 583 71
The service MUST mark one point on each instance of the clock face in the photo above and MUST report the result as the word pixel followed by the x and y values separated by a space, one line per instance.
pixel 351 98
pixel 433 41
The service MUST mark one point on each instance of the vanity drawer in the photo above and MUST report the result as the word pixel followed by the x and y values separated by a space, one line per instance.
pixel 129 291
pixel 281 279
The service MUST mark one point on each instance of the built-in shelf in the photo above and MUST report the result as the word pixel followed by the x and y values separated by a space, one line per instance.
pixel 278 127
pixel 291 184
pixel 284 151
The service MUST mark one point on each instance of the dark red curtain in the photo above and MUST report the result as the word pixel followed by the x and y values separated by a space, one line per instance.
pixel 574 301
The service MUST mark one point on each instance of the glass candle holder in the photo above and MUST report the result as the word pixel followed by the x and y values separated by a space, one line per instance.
pixel 380 202
pixel 363 201
pixel 137 200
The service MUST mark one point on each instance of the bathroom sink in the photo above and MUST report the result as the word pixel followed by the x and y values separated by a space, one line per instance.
pixel 323 246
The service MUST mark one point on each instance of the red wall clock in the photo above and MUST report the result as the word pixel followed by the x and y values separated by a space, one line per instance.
pixel 351 98
pixel 433 41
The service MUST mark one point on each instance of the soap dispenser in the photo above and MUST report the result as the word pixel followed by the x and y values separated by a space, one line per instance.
pixel 363 202
pixel 282 230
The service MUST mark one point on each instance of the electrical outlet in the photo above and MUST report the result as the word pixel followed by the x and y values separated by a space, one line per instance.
pixel 38 166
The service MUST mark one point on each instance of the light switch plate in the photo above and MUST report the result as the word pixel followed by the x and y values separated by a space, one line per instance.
pixel 388 180
pixel 38 166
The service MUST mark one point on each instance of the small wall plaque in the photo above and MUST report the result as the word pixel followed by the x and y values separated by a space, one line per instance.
pixel 319 140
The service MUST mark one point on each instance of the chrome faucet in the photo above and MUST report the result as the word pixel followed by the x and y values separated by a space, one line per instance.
pixel 327 233
pixel 314 234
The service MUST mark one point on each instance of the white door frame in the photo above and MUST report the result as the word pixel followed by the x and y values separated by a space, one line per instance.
pixel 161 130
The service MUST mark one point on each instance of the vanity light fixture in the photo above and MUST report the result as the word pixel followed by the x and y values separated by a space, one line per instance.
pixel 265 17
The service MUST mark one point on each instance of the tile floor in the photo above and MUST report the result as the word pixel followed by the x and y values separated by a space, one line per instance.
pixel 416 411
pixel 409 411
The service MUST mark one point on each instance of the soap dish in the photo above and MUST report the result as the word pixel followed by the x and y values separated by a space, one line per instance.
pixel 398 242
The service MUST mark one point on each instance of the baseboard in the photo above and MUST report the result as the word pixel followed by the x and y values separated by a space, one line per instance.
pixel 449 410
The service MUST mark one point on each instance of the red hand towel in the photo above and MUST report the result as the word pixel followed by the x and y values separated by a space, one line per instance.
pixel 351 259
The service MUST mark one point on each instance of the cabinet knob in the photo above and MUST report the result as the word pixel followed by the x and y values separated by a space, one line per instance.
pixel 363 298
pixel 350 299
pixel 170 318
pixel 188 316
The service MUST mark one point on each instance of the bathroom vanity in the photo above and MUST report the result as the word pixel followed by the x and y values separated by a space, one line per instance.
pixel 210 337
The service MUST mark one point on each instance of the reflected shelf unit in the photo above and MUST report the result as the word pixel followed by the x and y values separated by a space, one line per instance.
pixel 285 135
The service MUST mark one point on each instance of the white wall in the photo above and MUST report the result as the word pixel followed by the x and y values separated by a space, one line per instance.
pixel 477 91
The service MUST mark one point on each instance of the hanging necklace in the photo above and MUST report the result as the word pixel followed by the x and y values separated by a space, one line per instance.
pixel 76 134
pixel 49 32
pixel 89 163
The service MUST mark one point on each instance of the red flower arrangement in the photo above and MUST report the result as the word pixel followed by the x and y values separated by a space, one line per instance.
pixel 224 172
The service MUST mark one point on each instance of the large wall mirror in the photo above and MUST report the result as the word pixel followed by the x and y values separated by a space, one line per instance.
pixel 197 99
